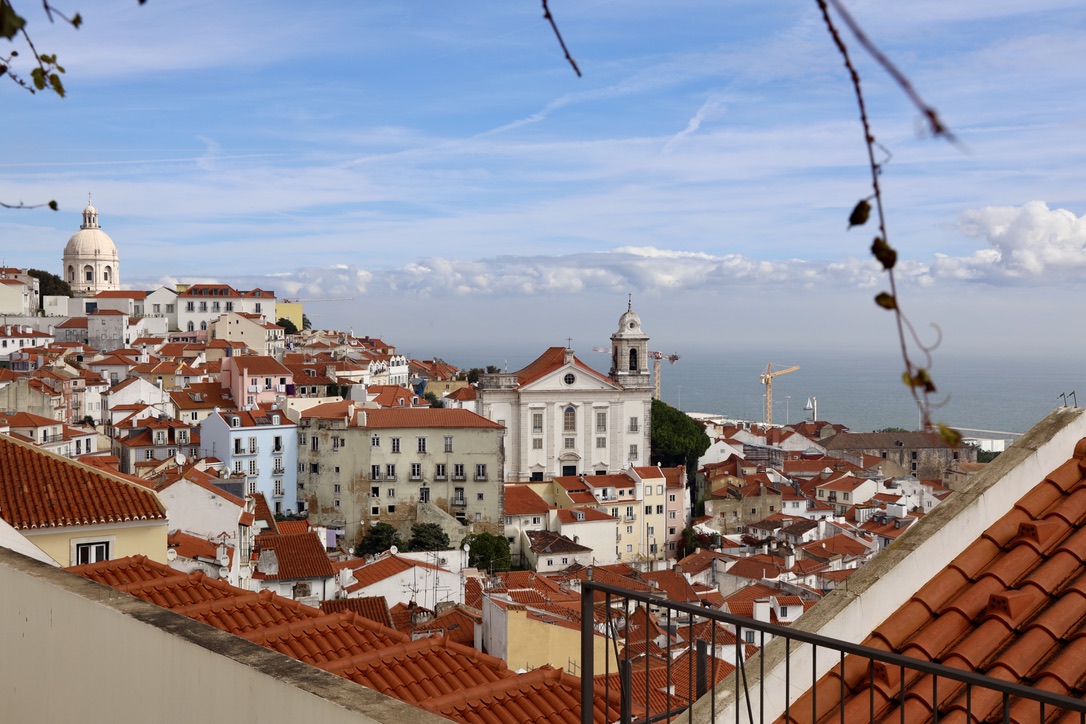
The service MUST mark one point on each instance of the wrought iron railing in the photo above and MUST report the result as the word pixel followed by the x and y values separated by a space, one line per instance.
pixel 745 689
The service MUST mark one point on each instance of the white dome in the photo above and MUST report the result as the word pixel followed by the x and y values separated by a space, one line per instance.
pixel 91 243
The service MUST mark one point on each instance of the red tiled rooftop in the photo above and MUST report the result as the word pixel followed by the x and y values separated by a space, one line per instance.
pixel 40 489
pixel 1010 605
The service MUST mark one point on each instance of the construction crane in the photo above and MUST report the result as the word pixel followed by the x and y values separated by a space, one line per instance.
pixel 767 380
pixel 657 358
pixel 299 300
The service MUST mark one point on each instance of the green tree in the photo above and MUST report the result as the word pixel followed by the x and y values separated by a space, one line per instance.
pixel 489 552
pixel 378 539
pixel 434 400
pixel 428 537
pixel 676 438
pixel 49 284
pixel 288 326
pixel 892 429
pixel 306 324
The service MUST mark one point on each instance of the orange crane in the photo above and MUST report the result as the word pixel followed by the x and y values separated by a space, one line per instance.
pixel 767 380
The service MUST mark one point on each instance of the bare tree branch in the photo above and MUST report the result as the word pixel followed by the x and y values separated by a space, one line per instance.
pixel 547 15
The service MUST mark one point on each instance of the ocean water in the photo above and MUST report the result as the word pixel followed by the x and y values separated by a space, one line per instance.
pixel 862 391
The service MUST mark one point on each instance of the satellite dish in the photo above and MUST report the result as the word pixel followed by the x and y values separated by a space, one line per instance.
pixel 224 560
pixel 393 550
pixel 224 572
pixel 171 554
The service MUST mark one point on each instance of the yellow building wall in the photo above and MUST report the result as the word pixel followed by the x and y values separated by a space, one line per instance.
pixel 291 310
pixel 147 539
pixel 532 643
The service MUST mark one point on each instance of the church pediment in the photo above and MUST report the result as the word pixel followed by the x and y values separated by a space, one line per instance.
pixel 571 377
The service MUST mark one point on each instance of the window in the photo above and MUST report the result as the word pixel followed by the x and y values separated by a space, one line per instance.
pixel 391 508
pixel 458 471
pixel 479 497
pixel 635 424
pixel 629 548
pixel 537 443
pixel 569 443
pixel 237 446
pixel 565 560
pixel 148 454
pixel 659 510
pixel 313 443
pixel 671 497
pixel 91 552
pixel 448 443
pixel 633 452
pixel 375 472
pixel 535 520
pixel 424 495
pixel 252 467
pixel 601 442
pixel 648 510
pixel 480 471
pixel 784 611
pixel 390 492
pixel 458 496
pixel 375 510
pixel 651 530
pixel 375 441
pixel 748 636
pixel 336 502
pixel 237 466
pixel 277 464
pixel 279 487
pixel 395 444
pixel 671 531
pixel 416 471
pixel 671 515
pixel 537 422
pixel 569 379
pixel 601 422
pixel 629 529
pixel 337 488
pixel 439 471
pixel 629 511
pixel 252 487
pixel 569 420
pixel 375 491
pixel 421 445
pixel 390 471
pixel 846 496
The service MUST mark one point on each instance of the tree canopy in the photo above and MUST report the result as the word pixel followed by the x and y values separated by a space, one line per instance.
pixel 378 539
pixel 428 537
pixel 488 551
pixel 676 438
pixel 288 326
pixel 49 284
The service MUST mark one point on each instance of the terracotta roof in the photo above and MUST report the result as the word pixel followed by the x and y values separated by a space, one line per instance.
pixel 523 500
pixel 300 556
pixel 426 417
pixel 40 489
pixel 383 568
pixel 435 674
pixel 375 608
pixel 572 516
pixel 1010 605
pixel 546 542
pixel 553 359
pixel 259 365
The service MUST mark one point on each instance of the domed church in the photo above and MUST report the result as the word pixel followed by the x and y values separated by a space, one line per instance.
pixel 91 264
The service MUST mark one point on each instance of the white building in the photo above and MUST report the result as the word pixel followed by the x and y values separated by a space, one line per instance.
pixel 565 418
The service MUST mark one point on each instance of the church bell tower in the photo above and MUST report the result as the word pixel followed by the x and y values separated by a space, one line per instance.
pixel 630 352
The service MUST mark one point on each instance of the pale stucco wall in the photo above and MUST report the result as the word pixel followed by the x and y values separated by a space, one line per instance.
pixel 532 643
pixel 78 651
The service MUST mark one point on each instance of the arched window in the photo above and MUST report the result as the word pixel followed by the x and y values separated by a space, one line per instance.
pixel 88 273
pixel 633 360
pixel 569 420
pixel 106 274
pixel 203 326
pixel 192 327
pixel 71 274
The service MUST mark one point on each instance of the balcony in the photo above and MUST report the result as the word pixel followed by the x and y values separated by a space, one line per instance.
pixel 719 679
pixel 480 478
pixel 278 470
pixel 459 502
pixel 458 477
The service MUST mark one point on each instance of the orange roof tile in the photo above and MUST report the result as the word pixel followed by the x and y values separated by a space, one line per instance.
pixel 299 556
pixel 1011 605
pixel 427 417
pixel 40 489
pixel 523 500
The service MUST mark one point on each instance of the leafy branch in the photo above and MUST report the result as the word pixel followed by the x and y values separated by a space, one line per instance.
pixel 917 375
pixel 46 73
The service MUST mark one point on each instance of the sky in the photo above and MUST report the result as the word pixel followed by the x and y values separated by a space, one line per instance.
pixel 442 167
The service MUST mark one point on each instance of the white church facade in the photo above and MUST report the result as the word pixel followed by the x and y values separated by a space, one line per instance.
pixel 564 418
pixel 90 262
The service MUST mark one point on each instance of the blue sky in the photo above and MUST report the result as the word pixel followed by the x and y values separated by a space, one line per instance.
pixel 441 164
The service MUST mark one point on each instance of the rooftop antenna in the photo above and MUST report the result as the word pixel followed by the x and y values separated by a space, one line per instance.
pixel 569 342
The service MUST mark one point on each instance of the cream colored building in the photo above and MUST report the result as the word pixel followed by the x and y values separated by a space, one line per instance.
pixel 361 466
pixel 565 418
pixel 90 262
pixel 252 330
